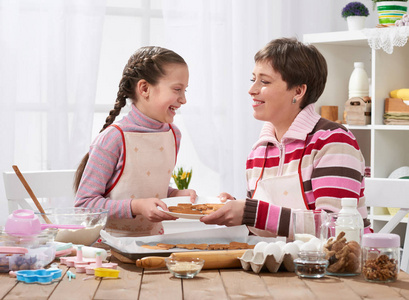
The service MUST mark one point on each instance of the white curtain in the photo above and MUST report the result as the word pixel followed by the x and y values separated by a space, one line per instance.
pixel 218 39
pixel 49 56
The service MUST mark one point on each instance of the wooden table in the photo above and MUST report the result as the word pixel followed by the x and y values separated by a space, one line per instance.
pixel 136 283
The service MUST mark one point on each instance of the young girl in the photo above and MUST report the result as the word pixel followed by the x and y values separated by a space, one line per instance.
pixel 130 163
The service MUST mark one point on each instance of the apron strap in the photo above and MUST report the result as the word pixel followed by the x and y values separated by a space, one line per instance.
pixel 300 176
pixel 123 164
pixel 176 148
pixel 262 170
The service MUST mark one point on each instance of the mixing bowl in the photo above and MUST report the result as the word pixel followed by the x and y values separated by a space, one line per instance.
pixel 93 220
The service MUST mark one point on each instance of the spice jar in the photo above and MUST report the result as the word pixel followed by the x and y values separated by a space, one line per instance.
pixel 310 264
pixel 380 253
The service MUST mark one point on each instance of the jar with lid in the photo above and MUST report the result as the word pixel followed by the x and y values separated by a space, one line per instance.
pixel 341 236
pixel 310 264
pixel 380 252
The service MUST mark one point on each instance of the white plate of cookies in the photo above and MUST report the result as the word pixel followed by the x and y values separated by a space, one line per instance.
pixel 181 207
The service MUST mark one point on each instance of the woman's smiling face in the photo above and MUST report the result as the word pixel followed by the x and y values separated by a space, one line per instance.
pixel 272 101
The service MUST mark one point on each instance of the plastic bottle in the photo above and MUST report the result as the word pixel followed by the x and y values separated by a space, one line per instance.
pixel 358 82
pixel 350 221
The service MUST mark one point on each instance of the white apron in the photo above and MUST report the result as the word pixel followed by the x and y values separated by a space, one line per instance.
pixel 287 191
pixel 149 162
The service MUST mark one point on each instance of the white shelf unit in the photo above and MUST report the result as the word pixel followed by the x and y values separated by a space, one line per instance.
pixel 385 147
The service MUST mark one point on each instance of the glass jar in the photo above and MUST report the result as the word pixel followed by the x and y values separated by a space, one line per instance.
pixel 380 253
pixel 341 236
pixel 310 264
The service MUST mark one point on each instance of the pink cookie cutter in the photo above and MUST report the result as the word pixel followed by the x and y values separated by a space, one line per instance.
pixel 86 265
pixel 78 260
pixel 90 269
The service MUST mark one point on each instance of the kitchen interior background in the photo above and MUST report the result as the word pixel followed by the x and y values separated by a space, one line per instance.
pixel 61 62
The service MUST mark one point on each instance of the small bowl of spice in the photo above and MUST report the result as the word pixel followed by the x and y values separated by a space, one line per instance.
pixel 311 264
pixel 184 267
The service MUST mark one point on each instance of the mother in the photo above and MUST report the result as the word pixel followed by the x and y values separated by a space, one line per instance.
pixel 300 161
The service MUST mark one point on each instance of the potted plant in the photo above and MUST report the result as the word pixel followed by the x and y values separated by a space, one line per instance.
pixel 390 11
pixel 355 13
pixel 182 178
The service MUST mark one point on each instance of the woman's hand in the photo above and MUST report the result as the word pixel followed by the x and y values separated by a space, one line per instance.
pixel 225 196
pixel 230 214
pixel 148 208
pixel 188 192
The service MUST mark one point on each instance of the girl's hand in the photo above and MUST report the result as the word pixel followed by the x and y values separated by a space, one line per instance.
pixel 231 214
pixel 225 196
pixel 188 192
pixel 148 207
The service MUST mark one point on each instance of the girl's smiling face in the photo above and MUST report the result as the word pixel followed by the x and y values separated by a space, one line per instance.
pixel 272 100
pixel 160 101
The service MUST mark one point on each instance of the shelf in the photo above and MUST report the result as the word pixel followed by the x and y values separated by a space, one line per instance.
pixel 377 127
pixel 347 38
pixel 391 127
pixel 384 147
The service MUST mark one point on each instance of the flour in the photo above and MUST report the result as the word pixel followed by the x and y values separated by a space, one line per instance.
pixel 305 237
pixel 86 236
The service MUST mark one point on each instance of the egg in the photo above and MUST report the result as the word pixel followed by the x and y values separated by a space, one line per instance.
pixel 308 247
pixel 316 242
pixel 273 249
pixel 259 247
pixel 291 248
pixel 281 243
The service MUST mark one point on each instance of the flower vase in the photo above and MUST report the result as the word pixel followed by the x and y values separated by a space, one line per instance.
pixel 390 11
pixel 356 22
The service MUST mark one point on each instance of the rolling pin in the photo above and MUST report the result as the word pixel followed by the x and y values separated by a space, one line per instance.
pixel 217 259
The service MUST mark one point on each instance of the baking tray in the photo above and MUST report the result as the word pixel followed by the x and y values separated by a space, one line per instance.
pixel 130 247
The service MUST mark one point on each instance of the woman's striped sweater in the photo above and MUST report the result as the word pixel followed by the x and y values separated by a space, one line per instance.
pixel 332 168
pixel 106 157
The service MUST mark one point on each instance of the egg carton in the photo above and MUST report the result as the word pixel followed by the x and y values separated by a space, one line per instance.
pixel 271 256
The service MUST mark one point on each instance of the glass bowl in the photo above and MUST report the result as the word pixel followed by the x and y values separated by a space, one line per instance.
pixel 184 267
pixel 94 219
pixel 311 264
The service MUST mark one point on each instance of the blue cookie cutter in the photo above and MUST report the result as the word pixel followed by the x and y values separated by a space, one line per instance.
pixel 38 276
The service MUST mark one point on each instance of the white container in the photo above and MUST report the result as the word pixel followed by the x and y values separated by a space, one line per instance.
pixel 353 227
pixel 358 82
pixel 356 22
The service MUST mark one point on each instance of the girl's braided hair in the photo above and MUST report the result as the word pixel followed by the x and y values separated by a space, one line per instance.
pixel 146 63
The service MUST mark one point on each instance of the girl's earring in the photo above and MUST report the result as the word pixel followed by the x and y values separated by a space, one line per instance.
pixel 294 101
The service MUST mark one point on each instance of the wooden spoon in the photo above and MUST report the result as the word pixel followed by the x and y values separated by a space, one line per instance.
pixel 30 192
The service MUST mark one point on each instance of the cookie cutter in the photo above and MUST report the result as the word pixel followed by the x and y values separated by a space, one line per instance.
pixel 78 260
pixel 38 276
pixel 102 272
pixel 90 269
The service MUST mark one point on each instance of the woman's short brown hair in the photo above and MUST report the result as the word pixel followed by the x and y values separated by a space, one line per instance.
pixel 298 64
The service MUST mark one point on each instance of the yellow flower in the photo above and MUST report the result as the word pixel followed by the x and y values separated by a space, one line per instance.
pixel 182 178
